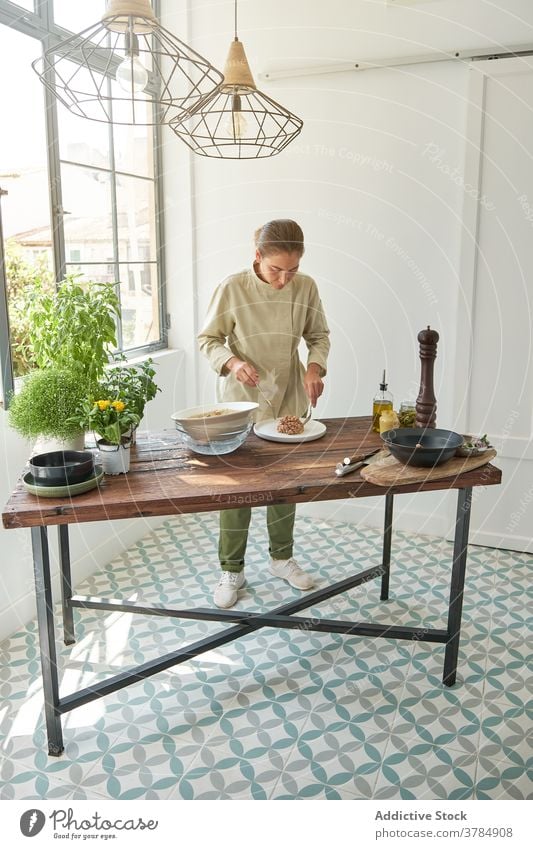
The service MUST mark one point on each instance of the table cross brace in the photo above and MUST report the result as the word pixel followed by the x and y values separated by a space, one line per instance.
pixel 246 621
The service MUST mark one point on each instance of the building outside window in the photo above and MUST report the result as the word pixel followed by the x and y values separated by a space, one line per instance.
pixel 97 216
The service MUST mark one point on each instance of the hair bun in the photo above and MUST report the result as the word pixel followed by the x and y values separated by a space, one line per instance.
pixel 283 235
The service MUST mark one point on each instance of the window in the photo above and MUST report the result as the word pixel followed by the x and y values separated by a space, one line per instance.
pixel 76 16
pixel 105 219
pixel 26 248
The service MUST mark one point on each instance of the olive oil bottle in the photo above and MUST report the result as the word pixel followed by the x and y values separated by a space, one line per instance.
pixel 382 401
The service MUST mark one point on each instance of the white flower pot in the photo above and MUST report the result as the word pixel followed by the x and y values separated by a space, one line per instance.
pixel 44 444
pixel 115 459
pixel 131 434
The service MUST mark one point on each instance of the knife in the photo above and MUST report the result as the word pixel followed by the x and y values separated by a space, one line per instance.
pixel 345 467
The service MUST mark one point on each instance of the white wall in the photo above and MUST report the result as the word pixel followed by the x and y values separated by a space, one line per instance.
pixel 92 545
pixel 375 179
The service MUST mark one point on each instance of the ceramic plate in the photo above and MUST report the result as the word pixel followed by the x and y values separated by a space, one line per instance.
pixel 62 491
pixel 269 430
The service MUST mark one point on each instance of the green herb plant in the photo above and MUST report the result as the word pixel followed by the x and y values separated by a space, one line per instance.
pixel 132 383
pixel 23 278
pixel 47 402
pixel 74 326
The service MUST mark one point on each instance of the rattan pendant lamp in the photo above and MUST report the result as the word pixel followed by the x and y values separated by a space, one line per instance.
pixel 237 121
pixel 114 70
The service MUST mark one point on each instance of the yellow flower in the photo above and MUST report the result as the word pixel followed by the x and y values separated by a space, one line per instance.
pixel 103 405
pixel 118 405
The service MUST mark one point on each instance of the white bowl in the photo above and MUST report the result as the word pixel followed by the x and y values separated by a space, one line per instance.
pixel 206 429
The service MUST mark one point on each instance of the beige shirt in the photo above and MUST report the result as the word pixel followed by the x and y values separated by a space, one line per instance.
pixel 264 326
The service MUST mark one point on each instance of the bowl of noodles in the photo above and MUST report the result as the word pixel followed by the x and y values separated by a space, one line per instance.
pixel 215 428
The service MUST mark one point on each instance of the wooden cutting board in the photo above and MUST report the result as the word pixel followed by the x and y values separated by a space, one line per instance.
pixel 390 472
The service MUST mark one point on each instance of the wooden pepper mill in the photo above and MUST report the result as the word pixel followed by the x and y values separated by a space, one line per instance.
pixel 426 403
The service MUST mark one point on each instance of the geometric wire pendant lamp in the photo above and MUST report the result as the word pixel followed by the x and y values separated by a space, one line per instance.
pixel 114 70
pixel 236 120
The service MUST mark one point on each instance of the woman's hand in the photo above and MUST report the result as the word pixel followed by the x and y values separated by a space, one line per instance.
pixel 243 371
pixel 313 384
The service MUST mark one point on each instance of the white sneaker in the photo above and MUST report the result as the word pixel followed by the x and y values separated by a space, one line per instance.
pixel 291 572
pixel 226 592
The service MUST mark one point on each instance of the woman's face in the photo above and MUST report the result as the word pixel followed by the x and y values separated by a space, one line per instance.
pixel 277 269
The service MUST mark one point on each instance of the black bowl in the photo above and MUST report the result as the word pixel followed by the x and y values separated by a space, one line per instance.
pixel 418 446
pixel 57 468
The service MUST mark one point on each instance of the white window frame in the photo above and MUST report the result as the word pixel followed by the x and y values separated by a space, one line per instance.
pixel 39 25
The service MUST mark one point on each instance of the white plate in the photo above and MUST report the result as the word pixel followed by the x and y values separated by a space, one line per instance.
pixel 269 430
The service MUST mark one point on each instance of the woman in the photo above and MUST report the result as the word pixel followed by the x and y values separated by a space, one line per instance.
pixel 255 322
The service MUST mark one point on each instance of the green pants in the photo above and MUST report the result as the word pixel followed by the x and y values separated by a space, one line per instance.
pixel 234 526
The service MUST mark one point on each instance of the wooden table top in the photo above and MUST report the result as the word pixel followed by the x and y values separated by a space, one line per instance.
pixel 167 479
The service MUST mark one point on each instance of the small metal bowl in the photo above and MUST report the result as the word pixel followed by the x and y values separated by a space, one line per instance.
pixel 417 446
pixel 474 451
pixel 59 468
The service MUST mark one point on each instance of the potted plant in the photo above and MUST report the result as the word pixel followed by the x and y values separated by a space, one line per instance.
pixel 74 326
pixel 132 383
pixel 70 333
pixel 112 420
pixel 44 407
pixel 23 279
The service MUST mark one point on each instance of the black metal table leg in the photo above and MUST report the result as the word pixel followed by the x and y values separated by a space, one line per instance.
pixel 69 636
pixel 45 620
pixel 387 539
pixel 460 546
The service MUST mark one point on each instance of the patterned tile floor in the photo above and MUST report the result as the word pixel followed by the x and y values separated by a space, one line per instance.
pixel 284 714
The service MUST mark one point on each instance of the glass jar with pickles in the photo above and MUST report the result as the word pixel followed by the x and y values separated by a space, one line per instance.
pixel 407 414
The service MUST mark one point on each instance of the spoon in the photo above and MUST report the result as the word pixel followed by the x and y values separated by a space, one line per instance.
pixel 307 415
pixel 265 399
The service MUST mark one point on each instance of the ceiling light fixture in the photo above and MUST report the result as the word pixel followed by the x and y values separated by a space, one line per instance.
pixel 236 121
pixel 114 70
